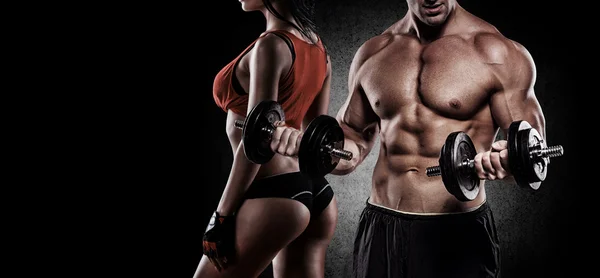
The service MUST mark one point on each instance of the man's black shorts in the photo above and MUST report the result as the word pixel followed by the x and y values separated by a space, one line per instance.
pixel 391 243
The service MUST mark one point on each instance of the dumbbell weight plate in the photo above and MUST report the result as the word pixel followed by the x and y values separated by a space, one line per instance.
pixel 257 139
pixel 314 160
pixel 535 167
pixel 460 181
pixel 518 167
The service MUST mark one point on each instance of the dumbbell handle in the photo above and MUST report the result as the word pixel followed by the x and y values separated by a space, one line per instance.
pixel 437 171
pixel 240 124
pixel 343 154
pixel 552 151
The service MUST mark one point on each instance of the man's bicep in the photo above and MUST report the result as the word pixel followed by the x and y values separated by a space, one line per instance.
pixel 357 118
pixel 360 126
pixel 509 106
pixel 517 99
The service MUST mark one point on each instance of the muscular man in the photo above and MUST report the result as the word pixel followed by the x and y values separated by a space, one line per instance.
pixel 437 70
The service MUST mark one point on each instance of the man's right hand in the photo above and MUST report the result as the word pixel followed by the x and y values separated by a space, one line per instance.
pixel 285 140
pixel 493 164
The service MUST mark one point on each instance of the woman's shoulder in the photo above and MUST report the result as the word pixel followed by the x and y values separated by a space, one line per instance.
pixel 272 43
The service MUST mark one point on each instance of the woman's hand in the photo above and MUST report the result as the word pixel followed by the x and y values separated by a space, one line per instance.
pixel 218 243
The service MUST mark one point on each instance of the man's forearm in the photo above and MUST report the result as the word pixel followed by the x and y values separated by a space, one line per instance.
pixel 345 167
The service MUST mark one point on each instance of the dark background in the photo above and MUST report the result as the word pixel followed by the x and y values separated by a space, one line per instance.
pixel 168 158
pixel 540 233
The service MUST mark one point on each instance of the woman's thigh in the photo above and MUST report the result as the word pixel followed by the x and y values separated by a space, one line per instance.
pixel 305 256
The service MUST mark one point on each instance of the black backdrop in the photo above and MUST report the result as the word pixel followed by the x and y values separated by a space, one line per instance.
pixel 166 140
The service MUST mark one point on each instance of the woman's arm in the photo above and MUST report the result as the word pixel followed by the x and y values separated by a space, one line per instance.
pixel 270 59
pixel 320 105
pixel 286 140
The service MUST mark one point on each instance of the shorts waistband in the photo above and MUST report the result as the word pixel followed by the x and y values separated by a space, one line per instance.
pixel 482 208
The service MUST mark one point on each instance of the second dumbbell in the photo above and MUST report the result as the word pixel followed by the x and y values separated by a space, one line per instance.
pixel 528 156
pixel 322 147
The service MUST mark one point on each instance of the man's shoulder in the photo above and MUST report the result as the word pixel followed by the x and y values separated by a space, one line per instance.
pixel 376 43
pixel 489 41
pixel 506 55
pixel 495 47
pixel 379 42
pixel 371 47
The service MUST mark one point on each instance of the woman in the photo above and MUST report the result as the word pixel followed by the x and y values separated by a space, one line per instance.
pixel 271 212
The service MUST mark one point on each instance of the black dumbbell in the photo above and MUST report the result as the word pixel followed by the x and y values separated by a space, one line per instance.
pixel 528 157
pixel 320 149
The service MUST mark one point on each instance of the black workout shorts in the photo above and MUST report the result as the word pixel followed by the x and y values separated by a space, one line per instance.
pixel 315 194
pixel 391 243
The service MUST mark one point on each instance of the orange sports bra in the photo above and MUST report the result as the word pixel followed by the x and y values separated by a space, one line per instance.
pixel 297 89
